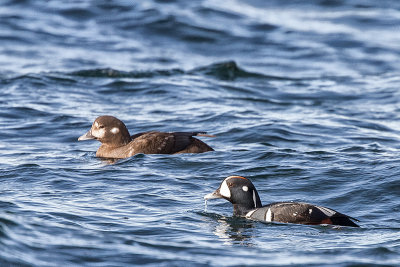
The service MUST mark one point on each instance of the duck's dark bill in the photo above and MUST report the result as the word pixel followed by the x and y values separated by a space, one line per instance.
pixel 86 136
pixel 213 195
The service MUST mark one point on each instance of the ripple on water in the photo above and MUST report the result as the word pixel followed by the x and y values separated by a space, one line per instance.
pixel 303 103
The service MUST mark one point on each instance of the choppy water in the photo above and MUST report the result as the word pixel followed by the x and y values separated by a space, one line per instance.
pixel 303 97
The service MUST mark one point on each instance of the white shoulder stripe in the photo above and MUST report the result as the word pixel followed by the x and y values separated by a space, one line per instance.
pixel 248 215
pixel 254 199
pixel 268 215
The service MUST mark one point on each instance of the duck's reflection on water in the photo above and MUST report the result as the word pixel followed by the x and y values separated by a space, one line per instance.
pixel 109 161
pixel 235 230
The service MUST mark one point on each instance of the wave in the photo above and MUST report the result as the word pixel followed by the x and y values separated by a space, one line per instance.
pixel 112 73
pixel 225 70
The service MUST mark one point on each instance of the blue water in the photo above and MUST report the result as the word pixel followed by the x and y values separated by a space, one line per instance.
pixel 303 97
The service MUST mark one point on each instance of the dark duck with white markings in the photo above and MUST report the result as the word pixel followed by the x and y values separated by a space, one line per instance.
pixel 117 143
pixel 241 192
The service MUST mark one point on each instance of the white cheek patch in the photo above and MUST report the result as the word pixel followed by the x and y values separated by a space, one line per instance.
pixel 245 188
pixel 224 190
pixel 96 124
pixel 102 133
pixel 115 130
pixel 98 133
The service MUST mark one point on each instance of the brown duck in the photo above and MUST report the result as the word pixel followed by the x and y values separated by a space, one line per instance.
pixel 116 142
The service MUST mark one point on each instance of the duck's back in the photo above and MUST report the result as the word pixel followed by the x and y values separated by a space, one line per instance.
pixel 168 143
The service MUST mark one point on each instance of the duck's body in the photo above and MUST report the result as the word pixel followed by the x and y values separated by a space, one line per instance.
pixel 241 192
pixel 300 213
pixel 116 142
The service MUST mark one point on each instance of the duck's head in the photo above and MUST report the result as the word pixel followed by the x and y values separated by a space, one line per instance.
pixel 109 131
pixel 240 191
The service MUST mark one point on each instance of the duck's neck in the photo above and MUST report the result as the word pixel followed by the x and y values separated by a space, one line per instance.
pixel 241 210
pixel 122 141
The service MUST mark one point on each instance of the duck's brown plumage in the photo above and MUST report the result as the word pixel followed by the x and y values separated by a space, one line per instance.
pixel 116 142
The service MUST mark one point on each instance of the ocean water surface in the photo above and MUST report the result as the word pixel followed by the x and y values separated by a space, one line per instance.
pixel 303 97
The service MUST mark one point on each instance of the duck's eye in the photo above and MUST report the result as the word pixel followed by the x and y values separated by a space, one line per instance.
pixel 101 126
pixel 230 184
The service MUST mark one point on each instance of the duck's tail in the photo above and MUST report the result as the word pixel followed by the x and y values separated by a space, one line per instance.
pixel 203 134
pixel 344 220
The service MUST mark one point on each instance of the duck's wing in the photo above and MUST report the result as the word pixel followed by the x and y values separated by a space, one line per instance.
pixel 166 143
pixel 302 213
pixel 137 135
pixel 185 141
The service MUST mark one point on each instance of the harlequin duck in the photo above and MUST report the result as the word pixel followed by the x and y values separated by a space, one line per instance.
pixel 117 143
pixel 241 192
